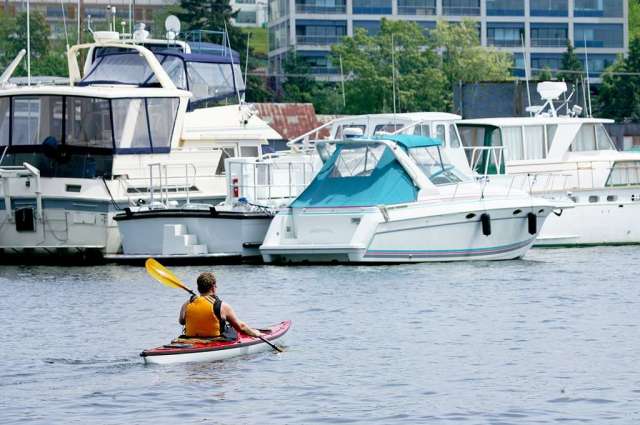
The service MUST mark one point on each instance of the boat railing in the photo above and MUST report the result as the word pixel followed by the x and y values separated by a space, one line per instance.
pixel 161 180
pixel 268 183
pixel 306 142
pixel 484 159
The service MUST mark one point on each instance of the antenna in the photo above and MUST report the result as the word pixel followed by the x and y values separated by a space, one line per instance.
pixel 235 82
pixel 344 98
pixel 527 76
pixel 131 18
pixel 28 45
pixel 64 22
pixel 586 61
pixel 393 73
pixel 246 63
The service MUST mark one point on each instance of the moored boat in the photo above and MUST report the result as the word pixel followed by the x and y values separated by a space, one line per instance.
pixel 183 351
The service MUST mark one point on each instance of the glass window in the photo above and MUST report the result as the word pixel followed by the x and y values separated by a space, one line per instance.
pixel 433 163
pixel 125 68
pixel 548 8
pixel 440 133
pixel 249 151
pixel 224 154
pixel 422 130
pixel 549 35
pixel 461 7
pixel 624 173
pixel 212 80
pixel 246 17
pixel 4 120
pixel 598 8
pixel 416 7
pixel 599 35
pixel 357 161
pixel 35 118
pixel 372 7
pixel 603 139
pixel 387 128
pixel 551 133
pixel 453 136
pixel 162 114
pixel 372 27
pixel 88 122
pixel 130 123
pixel 512 142
pixel 585 139
pixel 505 7
pixel 505 35
pixel 534 141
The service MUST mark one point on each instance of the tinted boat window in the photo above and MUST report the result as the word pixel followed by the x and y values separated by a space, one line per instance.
pixel 162 116
pixel 88 122
pixel 35 118
pixel 4 121
pixel 211 80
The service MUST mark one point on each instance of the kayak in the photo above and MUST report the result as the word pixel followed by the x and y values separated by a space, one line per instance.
pixel 183 350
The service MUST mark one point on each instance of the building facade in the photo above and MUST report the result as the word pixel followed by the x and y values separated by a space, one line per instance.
pixel 251 13
pixel 310 27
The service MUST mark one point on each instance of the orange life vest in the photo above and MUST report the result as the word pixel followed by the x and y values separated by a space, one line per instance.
pixel 202 317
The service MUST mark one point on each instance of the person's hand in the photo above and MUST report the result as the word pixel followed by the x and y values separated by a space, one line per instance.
pixel 256 333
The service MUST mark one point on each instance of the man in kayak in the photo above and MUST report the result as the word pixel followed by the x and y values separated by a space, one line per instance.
pixel 206 316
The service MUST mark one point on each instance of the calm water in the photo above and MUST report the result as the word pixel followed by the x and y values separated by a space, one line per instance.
pixel 553 338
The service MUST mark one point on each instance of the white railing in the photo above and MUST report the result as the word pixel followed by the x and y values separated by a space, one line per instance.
pixel 162 179
pixel 24 171
pixel 493 155
pixel 270 183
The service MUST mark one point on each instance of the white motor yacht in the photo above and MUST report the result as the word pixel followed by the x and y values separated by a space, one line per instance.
pixel 398 198
pixel 567 159
pixel 143 116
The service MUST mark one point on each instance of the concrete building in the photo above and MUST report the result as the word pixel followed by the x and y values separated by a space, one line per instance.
pixel 312 26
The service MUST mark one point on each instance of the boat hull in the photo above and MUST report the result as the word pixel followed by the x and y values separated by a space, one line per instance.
pixel 419 233
pixel 216 351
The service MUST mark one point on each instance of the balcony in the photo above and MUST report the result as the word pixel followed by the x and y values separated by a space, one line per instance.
pixel 549 42
pixel 321 10
pixel 318 40
pixel 419 11
pixel 504 43
pixel 461 11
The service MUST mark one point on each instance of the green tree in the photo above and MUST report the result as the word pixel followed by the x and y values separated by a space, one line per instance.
pixel 545 74
pixel 617 98
pixel 367 61
pixel 463 59
pixel 299 85
pixel 570 65
pixel 634 19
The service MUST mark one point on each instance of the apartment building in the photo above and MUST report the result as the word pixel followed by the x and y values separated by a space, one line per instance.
pixel 251 13
pixel 311 26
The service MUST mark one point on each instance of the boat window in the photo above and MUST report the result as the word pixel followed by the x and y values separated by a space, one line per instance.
pixel 340 130
pixel 512 141
pixel 35 118
pixel 594 198
pixel 433 163
pixel 534 141
pixel 162 113
pixel 126 68
pixel 603 139
pixel 453 134
pixel 388 128
pixel 249 151
pixel 88 122
pixel 357 161
pixel 624 173
pixel 325 150
pixel 4 120
pixel 130 124
pixel 422 130
pixel 213 80
pixel 585 139
pixel 224 154
pixel 440 134
pixel 174 67
pixel 551 133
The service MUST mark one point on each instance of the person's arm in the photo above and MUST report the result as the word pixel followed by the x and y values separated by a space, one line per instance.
pixel 229 315
pixel 183 310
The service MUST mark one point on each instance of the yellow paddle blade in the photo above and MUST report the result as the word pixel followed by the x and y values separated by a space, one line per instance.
pixel 164 275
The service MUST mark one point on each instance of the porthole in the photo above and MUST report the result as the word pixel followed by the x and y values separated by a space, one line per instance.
pixel 593 199
pixel 612 198
pixel 540 211
pixel 516 212
pixel 470 216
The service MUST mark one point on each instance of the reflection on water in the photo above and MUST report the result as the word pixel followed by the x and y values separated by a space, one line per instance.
pixel 548 339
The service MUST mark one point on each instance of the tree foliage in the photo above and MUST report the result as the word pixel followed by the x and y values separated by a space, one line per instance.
pixel 618 96
pixel 569 63
pixel 634 19
pixel 426 66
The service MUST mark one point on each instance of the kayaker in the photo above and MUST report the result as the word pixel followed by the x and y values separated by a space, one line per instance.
pixel 206 316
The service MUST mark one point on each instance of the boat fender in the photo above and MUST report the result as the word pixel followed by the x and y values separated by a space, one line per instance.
pixel 128 212
pixel 485 220
pixel 532 223
pixel 213 211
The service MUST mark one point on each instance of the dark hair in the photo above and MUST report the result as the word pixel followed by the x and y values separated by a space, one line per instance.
pixel 206 281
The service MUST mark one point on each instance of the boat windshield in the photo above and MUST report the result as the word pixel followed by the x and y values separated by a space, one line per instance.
pixel 592 137
pixel 434 164
pixel 207 78
pixel 355 161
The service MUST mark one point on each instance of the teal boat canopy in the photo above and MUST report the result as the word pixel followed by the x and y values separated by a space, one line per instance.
pixel 358 175
pixel 410 141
